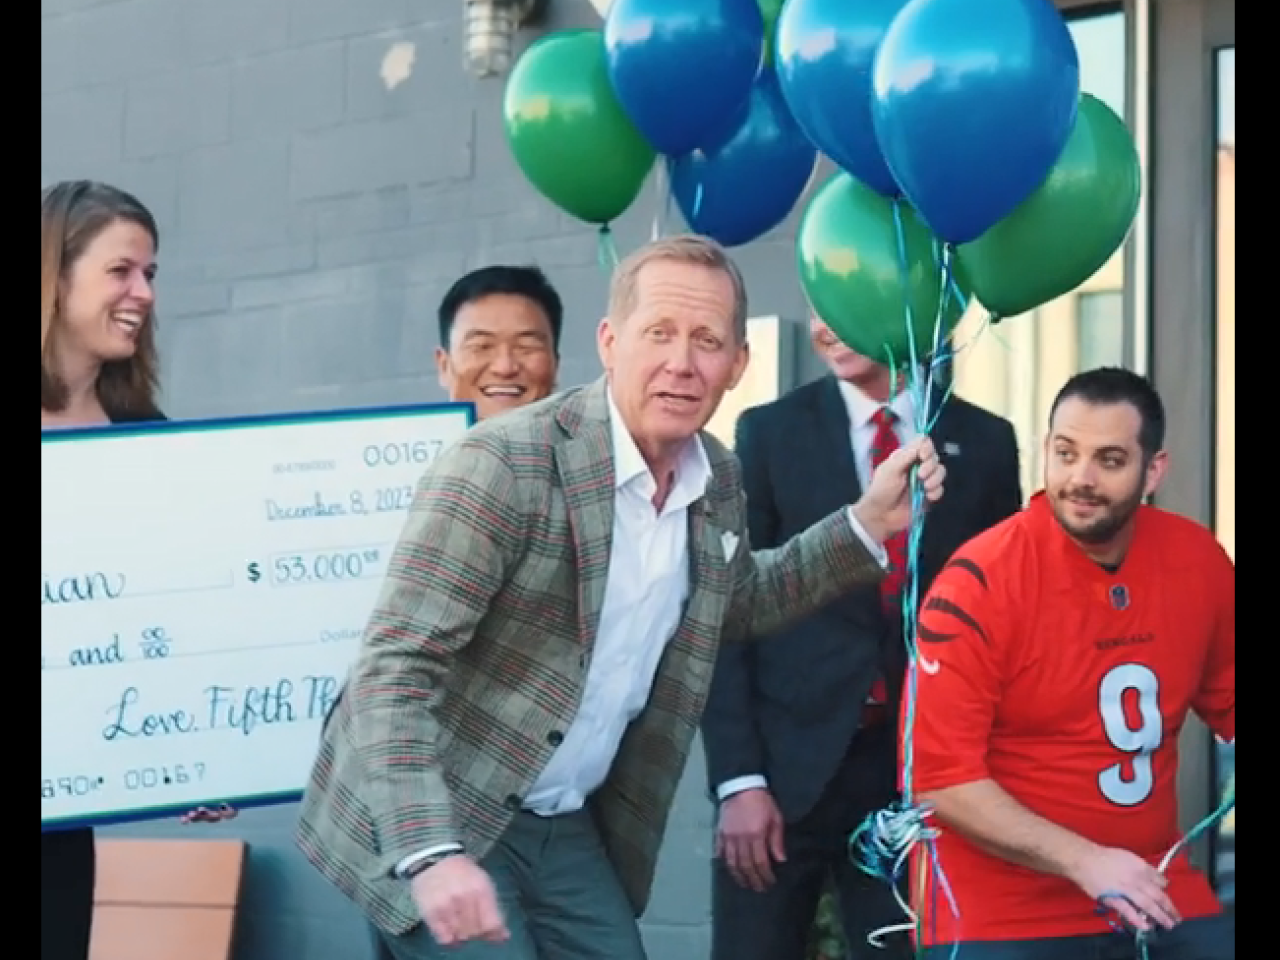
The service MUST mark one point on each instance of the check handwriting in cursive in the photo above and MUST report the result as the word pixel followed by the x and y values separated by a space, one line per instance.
pixel 243 709
pixel 81 588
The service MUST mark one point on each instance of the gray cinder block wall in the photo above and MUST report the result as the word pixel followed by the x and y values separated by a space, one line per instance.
pixel 312 212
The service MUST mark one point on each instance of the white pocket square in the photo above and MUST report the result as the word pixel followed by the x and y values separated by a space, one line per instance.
pixel 729 541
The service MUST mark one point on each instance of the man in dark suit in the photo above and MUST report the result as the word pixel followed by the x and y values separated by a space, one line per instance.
pixel 800 729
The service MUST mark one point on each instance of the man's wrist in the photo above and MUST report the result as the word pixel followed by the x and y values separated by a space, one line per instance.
pixel 416 863
pixel 730 788
pixel 871 523
pixel 1072 857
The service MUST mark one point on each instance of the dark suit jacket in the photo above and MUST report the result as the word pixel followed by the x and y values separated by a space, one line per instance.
pixel 789 706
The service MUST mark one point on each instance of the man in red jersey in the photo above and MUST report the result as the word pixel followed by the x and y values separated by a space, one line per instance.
pixel 1059 654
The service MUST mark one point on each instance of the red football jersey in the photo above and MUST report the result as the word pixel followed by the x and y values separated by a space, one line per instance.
pixel 1068 685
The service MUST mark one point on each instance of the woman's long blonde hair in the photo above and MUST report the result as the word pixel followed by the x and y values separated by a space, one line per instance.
pixel 72 214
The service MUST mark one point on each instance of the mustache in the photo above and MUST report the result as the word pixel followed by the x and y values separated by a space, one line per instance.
pixel 1090 499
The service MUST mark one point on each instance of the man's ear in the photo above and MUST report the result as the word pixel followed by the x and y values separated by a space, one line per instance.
pixel 1157 469
pixel 444 375
pixel 606 340
pixel 740 364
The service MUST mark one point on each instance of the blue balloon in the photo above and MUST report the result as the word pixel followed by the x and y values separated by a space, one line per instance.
pixel 825 51
pixel 746 180
pixel 681 68
pixel 973 103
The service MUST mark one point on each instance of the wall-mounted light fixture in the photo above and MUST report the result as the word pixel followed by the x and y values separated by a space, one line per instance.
pixel 490 27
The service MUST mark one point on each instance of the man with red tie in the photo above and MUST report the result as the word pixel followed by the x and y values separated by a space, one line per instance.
pixel 800 730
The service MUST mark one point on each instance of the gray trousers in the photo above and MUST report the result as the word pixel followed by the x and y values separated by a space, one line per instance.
pixel 558 893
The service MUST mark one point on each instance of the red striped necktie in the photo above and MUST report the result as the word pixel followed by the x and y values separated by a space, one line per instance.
pixel 883 444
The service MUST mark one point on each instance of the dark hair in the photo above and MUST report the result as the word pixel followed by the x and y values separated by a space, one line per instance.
pixel 1111 385
pixel 72 214
pixel 527 282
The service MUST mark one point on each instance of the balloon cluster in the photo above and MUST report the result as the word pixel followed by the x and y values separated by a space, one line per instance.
pixel 963 120
pixel 686 83
pixel 958 128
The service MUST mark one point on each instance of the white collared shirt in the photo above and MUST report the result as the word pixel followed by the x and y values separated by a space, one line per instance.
pixel 644 596
pixel 862 431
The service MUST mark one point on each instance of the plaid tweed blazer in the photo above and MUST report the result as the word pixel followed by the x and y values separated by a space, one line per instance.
pixel 476 653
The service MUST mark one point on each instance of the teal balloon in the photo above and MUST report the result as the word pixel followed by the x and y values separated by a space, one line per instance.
pixel 1063 233
pixel 854 278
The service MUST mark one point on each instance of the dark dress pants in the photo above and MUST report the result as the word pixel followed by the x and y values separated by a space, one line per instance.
pixel 777 923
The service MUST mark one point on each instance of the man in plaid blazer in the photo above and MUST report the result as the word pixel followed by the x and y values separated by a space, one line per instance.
pixel 505 753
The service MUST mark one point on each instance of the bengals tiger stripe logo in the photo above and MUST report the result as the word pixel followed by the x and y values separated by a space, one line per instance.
pixel 968 566
pixel 931 628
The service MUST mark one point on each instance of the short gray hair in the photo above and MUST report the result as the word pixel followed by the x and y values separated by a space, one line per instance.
pixel 683 248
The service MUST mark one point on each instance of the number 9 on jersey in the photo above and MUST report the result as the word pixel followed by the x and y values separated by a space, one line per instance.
pixel 1140 741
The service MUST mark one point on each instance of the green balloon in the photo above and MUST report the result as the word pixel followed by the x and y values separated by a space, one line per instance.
pixel 770 10
pixel 852 274
pixel 1063 233
pixel 569 134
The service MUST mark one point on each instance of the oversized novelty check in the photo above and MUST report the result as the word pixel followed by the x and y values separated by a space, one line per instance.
pixel 204 586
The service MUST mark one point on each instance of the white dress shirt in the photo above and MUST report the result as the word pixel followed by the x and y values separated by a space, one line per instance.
pixel 644 596
pixel 862 432
pixel 645 593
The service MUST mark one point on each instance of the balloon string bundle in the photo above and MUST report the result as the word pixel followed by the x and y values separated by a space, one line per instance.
pixel 606 249
pixel 881 846
pixel 666 200
pixel 697 202
pixel 1140 936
